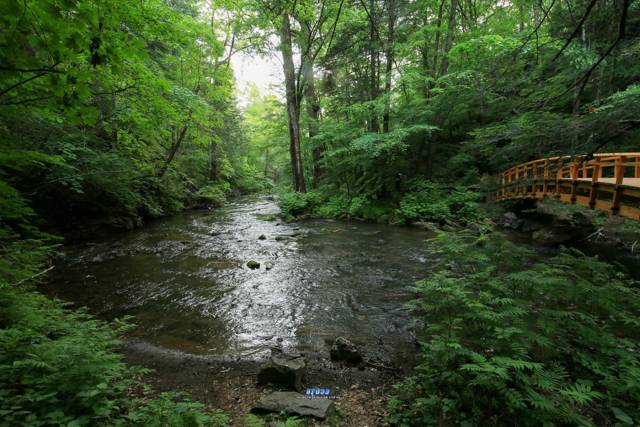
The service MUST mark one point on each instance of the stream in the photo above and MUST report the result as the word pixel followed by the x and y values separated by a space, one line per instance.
pixel 185 282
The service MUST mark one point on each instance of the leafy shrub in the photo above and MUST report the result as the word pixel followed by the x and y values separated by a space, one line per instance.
pixel 427 202
pixel 59 367
pixel 293 204
pixel 213 194
pixel 334 207
pixel 514 341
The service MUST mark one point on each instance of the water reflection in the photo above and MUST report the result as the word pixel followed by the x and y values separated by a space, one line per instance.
pixel 186 282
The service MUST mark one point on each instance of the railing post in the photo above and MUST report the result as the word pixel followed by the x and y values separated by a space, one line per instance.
pixel 545 177
pixel 593 195
pixel 619 176
pixel 573 169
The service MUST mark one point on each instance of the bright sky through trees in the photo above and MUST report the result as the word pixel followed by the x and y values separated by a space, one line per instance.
pixel 265 72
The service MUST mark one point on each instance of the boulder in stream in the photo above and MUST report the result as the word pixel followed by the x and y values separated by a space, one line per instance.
pixel 511 220
pixel 262 237
pixel 284 371
pixel 344 350
pixel 296 404
pixel 253 264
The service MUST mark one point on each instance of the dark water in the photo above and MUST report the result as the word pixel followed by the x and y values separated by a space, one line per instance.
pixel 185 281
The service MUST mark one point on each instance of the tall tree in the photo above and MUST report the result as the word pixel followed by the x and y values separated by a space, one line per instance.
pixel 293 103
pixel 451 29
pixel 389 59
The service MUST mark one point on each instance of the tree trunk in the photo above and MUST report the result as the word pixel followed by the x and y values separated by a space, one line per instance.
pixel 293 105
pixel 436 44
pixel 391 13
pixel 451 27
pixel 373 52
pixel 313 111
pixel 175 145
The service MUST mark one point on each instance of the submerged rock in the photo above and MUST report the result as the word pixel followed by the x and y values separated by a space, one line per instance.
pixel 296 404
pixel 344 350
pixel 511 220
pixel 284 371
pixel 253 264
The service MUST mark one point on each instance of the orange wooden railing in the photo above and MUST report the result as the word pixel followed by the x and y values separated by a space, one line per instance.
pixel 608 181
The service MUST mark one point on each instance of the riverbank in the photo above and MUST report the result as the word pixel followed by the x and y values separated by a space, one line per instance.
pixel 230 384
pixel 550 223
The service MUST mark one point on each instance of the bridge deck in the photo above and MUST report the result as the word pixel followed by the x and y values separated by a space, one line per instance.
pixel 576 180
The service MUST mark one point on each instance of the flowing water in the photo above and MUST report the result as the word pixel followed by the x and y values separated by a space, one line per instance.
pixel 185 281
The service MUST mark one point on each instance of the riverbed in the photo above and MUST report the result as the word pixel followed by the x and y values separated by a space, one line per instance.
pixel 185 282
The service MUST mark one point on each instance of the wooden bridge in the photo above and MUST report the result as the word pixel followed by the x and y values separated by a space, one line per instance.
pixel 609 181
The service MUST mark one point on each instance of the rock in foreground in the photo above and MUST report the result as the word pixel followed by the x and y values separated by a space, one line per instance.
pixel 344 350
pixel 296 404
pixel 284 371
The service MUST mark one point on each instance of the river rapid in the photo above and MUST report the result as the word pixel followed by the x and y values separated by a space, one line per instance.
pixel 185 282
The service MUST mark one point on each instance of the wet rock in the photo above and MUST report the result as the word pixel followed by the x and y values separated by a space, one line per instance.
pixel 296 404
pixel 253 264
pixel 268 266
pixel 214 233
pixel 262 237
pixel 283 371
pixel 511 220
pixel 344 350
pixel 280 238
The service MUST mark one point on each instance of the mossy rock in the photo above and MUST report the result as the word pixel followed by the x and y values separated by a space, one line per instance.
pixel 253 264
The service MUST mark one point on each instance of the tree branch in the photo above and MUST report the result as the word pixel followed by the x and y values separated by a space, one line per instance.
pixel 576 30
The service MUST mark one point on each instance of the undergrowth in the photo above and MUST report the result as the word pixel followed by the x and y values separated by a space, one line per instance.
pixel 423 201
pixel 511 339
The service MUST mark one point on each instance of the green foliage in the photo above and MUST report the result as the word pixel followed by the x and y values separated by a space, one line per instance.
pixel 175 409
pixel 320 203
pixel 509 338
pixel 213 194
pixel 295 204
pixel 112 113
pixel 60 367
pixel 251 420
pixel 433 203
